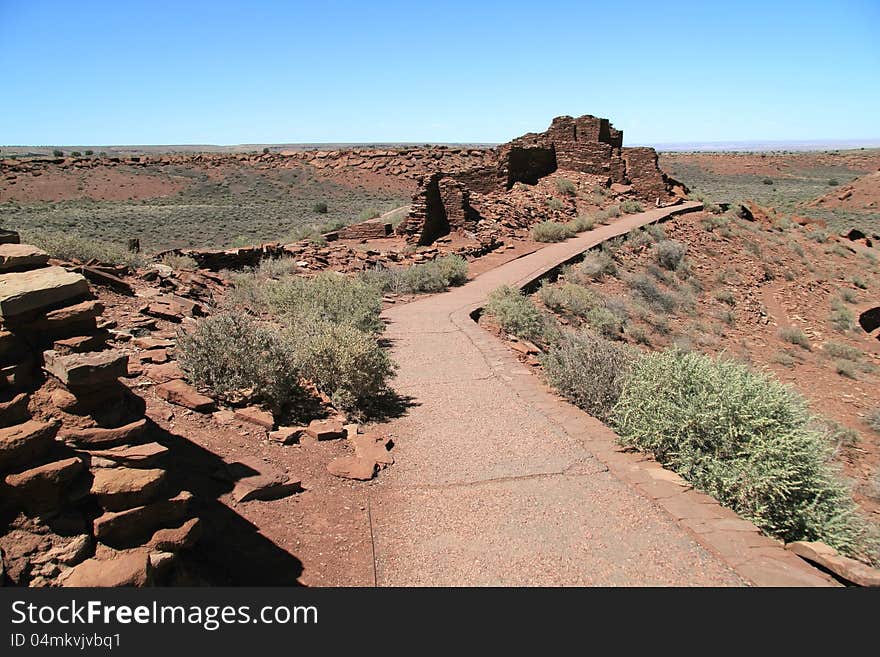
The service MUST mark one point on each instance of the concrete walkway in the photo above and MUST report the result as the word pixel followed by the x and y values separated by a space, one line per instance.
pixel 497 481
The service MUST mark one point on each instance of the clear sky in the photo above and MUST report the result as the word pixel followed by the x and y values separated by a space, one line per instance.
pixel 87 72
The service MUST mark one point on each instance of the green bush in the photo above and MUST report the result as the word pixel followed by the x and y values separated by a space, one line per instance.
pixel 742 437
pixel 670 254
pixel 568 297
pixel 581 224
pixel 343 362
pixel 551 231
pixel 176 261
pixel 516 313
pixel 842 318
pixel 435 276
pixel 605 322
pixel 845 368
pixel 652 295
pixel 837 350
pixel 566 187
pixel 725 296
pixel 70 246
pixel 75 154
pixel 873 419
pixel 58 153
pixel 89 152
pixel 860 282
pixel 231 352
pixel 320 208
pixel 795 336
pixel 555 204
pixel 588 371
pixel 610 212
pixel 596 265
pixel 631 207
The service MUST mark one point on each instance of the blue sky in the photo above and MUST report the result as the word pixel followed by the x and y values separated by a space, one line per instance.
pixel 155 72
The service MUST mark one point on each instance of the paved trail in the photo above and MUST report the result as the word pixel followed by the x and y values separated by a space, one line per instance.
pixel 498 482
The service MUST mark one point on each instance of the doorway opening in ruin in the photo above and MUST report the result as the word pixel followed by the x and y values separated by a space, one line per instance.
pixel 529 165
pixel 436 222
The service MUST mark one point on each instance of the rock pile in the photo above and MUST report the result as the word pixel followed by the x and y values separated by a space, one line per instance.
pixel 83 484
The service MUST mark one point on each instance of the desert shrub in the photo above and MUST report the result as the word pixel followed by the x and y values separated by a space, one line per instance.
pixel 656 232
pixel 637 334
pixel 842 318
pixel 266 150
pixel 767 181
pixel 368 213
pixel 58 153
pixel 742 437
pixel 610 212
pixel 329 297
pixel 588 371
pixel 785 358
pixel 725 296
pixel 845 351
pixel 555 204
pixel 515 313
pixel 89 152
pixel 177 261
pixel 839 250
pixel 860 282
pixel 604 322
pixel 551 231
pixel 833 182
pixel 631 207
pixel 848 295
pixel 320 207
pixel 873 419
pixel 569 297
pixel 652 295
pixel 70 246
pixel 660 274
pixel 581 224
pixel 795 336
pixel 566 187
pixel 231 352
pixel 638 238
pixel 434 276
pixel 75 154
pixel 596 265
pixel 670 254
pixel 819 236
pixel 845 368
pixel 343 362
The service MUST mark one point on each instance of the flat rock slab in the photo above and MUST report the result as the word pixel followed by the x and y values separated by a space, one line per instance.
pixel 44 488
pixel 178 538
pixel 287 435
pixel 21 256
pixel 181 393
pixel 123 488
pixel 352 467
pixel 326 429
pixel 86 370
pixel 255 415
pixel 141 456
pixel 23 443
pixel 102 437
pixel 257 480
pixel 38 289
pixel 78 344
pixel 78 314
pixel 844 567
pixel 136 526
pixel 164 372
pixel 15 411
pixel 127 569
pixel 372 447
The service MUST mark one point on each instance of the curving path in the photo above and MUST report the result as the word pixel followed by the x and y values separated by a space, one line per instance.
pixel 499 482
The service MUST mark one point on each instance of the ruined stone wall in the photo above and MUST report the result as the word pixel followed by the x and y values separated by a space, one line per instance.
pixel 644 174
pixel 366 230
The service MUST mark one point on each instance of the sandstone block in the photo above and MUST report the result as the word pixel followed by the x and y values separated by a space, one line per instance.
pixel 178 538
pixel 101 437
pixel 255 415
pixel 44 488
pixel 14 411
pixel 38 289
pixel 181 393
pixel 138 456
pixel 326 429
pixel 21 256
pixel 127 569
pixel 135 526
pixel 22 444
pixel 844 567
pixel 86 370
pixel 352 467
pixel 124 488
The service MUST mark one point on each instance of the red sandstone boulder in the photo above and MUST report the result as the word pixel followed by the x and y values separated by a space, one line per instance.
pixel 21 256
pixel 135 526
pixel 124 488
pixel 181 393
pixel 326 429
pixel 287 435
pixel 87 370
pixel 24 443
pixel 44 488
pixel 137 456
pixel 14 411
pixel 100 437
pixel 255 415
pixel 39 288
pixel 164 372
pixel 130 568
pixel 372 447
pixel 177 538
pixel 352 467
pixel 844 567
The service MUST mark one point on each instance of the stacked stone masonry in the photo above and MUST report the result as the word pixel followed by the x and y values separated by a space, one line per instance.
pixel 82 484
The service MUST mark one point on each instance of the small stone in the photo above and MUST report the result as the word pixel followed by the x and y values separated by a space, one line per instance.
pixel 135 526
pixel 181 393
pixel 257 480
pixel 352 467
pixel 326 429
pixel 177 538
pixel 287 435
pixel 124 488
pixel 255 415
pixel 372 447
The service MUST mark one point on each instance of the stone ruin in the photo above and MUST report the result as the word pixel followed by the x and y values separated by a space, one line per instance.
pixel 586 145
pixel 85 499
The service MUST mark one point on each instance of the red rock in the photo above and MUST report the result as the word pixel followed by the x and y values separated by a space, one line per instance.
pixel 143 455
pixel 326 429
pixel 124 488
pixel 44 488
pixel 846 568
pixel 21 256
pixel 164 372
pixel 39 288
pixel 22 444
pixel 352 467
pixel 87 370
pixel 157 356
pixel 101 437
pixel 76 315
pixel 181 393
pixel 287 435
pixel 255 415
pixel 257 480
pixel 99 277
pixel 11 347
pixel 81 343
pixel 131 568
pixel 372 447
pixel 135 526
pixel 150 342
pixel 14 411
pixel 177 538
